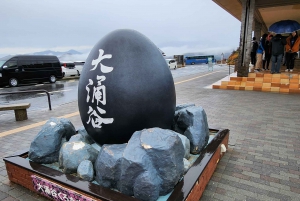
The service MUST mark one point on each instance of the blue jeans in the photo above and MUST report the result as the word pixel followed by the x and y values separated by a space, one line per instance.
pixel 276 63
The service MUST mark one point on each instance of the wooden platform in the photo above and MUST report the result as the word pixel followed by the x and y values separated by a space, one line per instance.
pixel 39 178
pixel 285 82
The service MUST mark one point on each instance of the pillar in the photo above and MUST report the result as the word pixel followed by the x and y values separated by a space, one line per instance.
pixel 257 30
pixel 245 37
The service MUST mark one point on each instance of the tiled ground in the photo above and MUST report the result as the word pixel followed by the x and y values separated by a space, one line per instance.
pixel 263 159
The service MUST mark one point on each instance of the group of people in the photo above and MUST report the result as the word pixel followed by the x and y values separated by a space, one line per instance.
pixel 274 48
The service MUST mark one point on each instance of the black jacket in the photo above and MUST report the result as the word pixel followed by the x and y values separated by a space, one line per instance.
pixel 254 46
pixel 278 43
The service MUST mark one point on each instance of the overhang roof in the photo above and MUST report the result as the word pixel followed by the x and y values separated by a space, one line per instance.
pixel 266 11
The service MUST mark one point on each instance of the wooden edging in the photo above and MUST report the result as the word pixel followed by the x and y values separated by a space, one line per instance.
pixel 191 187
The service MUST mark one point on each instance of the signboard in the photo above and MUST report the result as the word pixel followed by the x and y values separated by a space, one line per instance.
pixel 55 191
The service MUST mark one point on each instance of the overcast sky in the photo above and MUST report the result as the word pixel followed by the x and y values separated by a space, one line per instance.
pixel 175 26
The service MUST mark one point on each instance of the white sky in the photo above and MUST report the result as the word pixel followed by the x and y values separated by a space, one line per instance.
pixel 175 26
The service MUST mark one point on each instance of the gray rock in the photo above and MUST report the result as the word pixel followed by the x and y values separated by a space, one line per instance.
pixel 76 138
pixel 63 140
pixel 184 119
pixel 73 153
pixel 147 186
pixel 85 170
pixel 180 123
pixel 87 138
pixel 69 128
pixel 134 162
pixel 152 150
pixel 187 165
pixel 150 164
pixel 46 145
pixel 197 127
pixel 166 151
pixel 96 146
pixel 107 165
pixel 185 105
pixel 186 144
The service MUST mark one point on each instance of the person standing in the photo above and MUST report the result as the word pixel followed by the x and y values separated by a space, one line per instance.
pixel 259 53
pixel 253 51
pixel 278 43
pixel 291 49
pixel 268 53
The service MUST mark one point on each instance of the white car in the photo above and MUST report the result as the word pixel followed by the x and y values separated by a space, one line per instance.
pixel 78 66
pixel 172 63
pixel 68 69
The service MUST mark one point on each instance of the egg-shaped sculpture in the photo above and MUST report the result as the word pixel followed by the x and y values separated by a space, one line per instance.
pixel 125 86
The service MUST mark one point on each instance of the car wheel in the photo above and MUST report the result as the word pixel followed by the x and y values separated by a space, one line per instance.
pixel 52 79
pixel 13 82
pixel 192 63
pixel 78 73
pixel 175 67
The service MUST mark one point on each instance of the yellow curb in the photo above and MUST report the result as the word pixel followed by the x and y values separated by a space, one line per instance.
pixel 196 77
pixel 23 128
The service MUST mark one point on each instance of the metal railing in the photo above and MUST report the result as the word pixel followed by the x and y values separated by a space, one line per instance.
pixel 31 91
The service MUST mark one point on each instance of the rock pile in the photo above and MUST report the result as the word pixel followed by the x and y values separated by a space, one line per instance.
pixel 146 167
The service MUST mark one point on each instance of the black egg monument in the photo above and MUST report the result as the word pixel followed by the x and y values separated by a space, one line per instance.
pixel 125 86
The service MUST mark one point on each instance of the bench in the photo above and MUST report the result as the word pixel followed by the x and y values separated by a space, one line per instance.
pixel 20 110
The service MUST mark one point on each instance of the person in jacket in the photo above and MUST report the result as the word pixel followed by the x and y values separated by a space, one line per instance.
pixel 259 53
pixel 268 53
pixel 253 51
pixel 278 43
pixel 291 49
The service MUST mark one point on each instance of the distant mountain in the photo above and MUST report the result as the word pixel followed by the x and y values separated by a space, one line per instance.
pixel 71 55
pixel 50 52
pixel 5 57
pixel 56 53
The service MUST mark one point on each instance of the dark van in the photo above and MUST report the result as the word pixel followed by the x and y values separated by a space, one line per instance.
pixel 29 68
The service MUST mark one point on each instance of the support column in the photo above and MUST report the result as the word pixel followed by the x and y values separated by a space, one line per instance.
pixel 257 30
pixel 245 37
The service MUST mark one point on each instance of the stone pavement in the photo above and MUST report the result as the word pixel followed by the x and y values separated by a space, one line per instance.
pixel 263 159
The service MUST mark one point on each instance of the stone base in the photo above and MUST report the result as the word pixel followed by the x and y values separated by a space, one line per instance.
pixel 39 178
pixel 21 114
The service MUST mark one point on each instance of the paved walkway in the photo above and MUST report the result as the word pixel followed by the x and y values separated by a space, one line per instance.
pixel 263 159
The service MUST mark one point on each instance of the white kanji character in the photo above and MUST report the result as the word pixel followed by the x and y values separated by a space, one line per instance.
pixel 47 190
pixel 88 90
pixel 53 193
pixel 63 196
pixel 97 121
pixel 72 199
pixel 100 91
pixel 40 187
pixel 95 62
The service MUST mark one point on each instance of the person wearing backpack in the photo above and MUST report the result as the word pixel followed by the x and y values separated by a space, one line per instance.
pixel 253 51
pixel 259 53
pixel 268 52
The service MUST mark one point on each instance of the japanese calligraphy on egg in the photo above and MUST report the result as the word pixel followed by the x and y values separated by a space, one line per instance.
pixel 96 92
pixel 125 86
